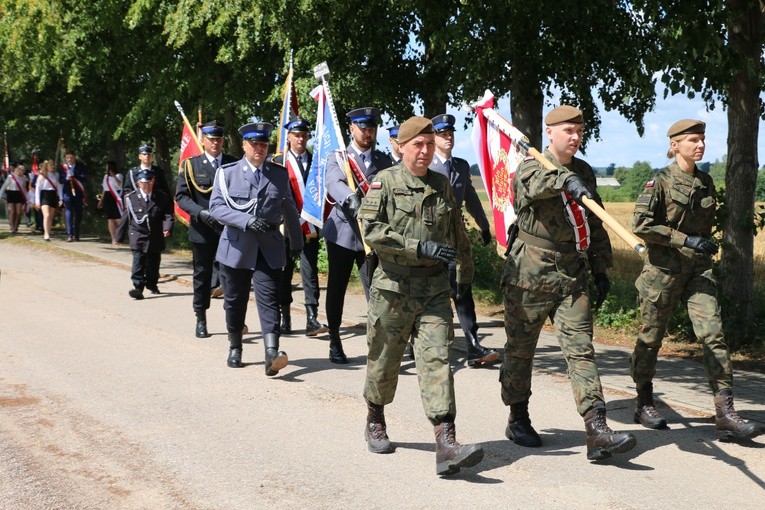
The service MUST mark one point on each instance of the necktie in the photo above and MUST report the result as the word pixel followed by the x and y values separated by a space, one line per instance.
pixel 215 163
pixel 448 167
pixel 364 160
pixel 256 175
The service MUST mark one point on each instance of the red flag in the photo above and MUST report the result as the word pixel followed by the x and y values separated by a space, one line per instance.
pixel 498 158
pixel 35 169
pixel 189 148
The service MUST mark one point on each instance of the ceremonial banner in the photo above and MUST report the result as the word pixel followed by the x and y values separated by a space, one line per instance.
pixel 498 159
pixel 289 111
pixel 327 140
pixel 190 147
pixel 35 167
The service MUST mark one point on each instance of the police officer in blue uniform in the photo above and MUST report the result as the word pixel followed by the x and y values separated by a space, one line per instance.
pixel 457 170
pixel 146 159
pixel 298 160
pixel 148 219
pixel 395 150
pixel 341 230
pixel 251 198
pixel 195 184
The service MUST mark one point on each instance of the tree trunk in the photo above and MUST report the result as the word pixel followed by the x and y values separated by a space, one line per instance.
pixel 162 155
pixel 526 108
pixel 737 265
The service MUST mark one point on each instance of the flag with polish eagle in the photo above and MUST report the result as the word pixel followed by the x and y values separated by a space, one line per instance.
pixel 498 159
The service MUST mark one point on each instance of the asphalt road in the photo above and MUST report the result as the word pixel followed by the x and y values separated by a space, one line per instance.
pixel 106 402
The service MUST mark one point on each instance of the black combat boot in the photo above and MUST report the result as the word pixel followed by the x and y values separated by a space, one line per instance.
pixel 519 429
pixel 730 426
pixel 286 326
pixel 602 442
pixel 450 455
pixel 312 325
pixel 375 433
pixel 336 354
pixel 646 413
pixel 275 359
pixel 201 331
pixel 235 350
pixel 477 354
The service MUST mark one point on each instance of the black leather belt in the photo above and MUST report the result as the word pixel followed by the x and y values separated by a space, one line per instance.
pixel 545 244
pixel 391 267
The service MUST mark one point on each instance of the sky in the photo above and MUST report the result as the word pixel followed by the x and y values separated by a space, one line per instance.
pixel 620 143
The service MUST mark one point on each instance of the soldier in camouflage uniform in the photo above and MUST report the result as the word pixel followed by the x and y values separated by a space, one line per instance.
pixel 674 215
pixel 410 218
pixel 545 275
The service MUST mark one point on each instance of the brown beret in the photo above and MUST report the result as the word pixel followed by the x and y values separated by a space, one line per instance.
pixel 564 113
pixel 685 127
pixel 412 127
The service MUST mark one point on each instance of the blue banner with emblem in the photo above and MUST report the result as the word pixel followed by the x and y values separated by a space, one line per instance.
pixel 327 141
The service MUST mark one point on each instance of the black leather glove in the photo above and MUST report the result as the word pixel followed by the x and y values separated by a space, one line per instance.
pixel 701 245
pixel 436 251
pixel 485 237
pixel 352 205
pixel 578 189
pixel 602 285
pixel 462 289
pixel 206 218
pixel 256 224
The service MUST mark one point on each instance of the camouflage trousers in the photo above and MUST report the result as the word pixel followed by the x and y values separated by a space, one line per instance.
pixel 660 293
pixel 525 314
pixel 394 318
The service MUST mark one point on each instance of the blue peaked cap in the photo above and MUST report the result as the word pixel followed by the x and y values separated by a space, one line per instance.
pixel 393 130
pixel 443 122
pixel 256 131
pixel 297 124
pixel 213 129
pixel 365 117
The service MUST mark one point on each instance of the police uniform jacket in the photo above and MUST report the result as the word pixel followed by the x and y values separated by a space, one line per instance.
pixel 79 173
pixel 401 210
pixel 339 228
pixel 548 262
pixel 160 180
pixel 464 191
pixel 195 183
pixel 147 236
pixel 673 206
pixel 239 247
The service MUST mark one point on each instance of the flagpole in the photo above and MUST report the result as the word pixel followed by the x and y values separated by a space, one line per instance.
pixel 188 125
pixel 321 72
pixel 522 141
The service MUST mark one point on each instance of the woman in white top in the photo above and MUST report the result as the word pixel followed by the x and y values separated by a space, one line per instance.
pixel 48 195
pixel 111 199
pixel 15 192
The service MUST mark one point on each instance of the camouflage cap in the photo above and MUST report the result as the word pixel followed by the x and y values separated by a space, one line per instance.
pixel 564 113
pixel 685 127
pixel 412 127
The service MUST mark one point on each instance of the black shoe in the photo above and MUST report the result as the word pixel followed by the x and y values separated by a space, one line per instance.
pixel 336 354
pixel 477 354
pixel 201 331
pixel 312 326
pixel 275 359
pixel 153 290
pixel 234 358
pixel 135 293
pixel 286 325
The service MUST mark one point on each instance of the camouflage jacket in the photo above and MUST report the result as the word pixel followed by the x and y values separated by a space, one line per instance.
pixel 672 206
pixel 541 213
pixel 398 212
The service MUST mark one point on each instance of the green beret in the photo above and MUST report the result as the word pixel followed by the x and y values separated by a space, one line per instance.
pixel 686 127
pixel 564 113
pixel 412 127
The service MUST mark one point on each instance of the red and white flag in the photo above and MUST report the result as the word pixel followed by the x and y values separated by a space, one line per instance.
pixel 498 159
pixel 189 148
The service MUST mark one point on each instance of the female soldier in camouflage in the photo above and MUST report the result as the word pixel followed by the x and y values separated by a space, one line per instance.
pixel 674 215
